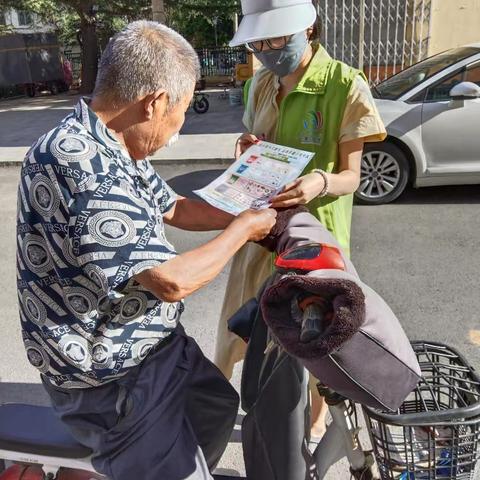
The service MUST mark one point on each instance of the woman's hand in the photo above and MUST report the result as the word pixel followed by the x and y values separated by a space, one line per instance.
pixel 244 142
pixel 299 192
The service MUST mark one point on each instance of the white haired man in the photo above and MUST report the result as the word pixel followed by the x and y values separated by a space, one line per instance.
pixel 101 288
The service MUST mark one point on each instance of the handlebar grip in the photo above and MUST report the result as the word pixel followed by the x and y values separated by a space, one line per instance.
pixel 312 323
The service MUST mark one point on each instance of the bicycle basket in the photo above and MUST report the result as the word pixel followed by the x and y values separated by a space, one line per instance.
pixel 435 434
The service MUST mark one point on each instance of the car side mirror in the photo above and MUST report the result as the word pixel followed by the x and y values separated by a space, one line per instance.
pixel 465 91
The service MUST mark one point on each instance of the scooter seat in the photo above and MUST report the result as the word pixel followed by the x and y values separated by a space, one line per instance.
pixel 36 430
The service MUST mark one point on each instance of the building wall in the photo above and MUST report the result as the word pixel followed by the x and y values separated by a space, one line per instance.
pixel 454 23
pixel 16 19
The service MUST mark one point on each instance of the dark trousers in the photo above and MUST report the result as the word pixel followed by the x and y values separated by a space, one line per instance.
pixel 170 418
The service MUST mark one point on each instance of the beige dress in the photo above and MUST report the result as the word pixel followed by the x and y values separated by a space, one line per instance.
pixel 252 265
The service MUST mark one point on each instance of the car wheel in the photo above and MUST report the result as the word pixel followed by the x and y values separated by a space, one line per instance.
pixel 384 174
pixel 54 88
pixel 30 89
pixel 62 87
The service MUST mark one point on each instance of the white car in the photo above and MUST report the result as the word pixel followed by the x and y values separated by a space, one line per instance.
pixel 432 114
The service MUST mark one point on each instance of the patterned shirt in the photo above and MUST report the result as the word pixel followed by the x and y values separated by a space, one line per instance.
pixel 89 219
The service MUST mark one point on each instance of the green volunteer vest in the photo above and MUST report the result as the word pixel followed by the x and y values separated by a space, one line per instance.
pixel 310 119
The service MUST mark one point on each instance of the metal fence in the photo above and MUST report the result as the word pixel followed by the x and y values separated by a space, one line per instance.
pixel 221 61
pixel 381 37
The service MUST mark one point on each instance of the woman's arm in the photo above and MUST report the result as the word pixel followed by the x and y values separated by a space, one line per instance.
pixel 345 181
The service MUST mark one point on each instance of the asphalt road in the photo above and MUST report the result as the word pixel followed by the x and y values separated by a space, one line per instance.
pixel 421 254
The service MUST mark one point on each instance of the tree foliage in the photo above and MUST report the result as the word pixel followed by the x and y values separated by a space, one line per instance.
pixel 203 22
pixel 66 15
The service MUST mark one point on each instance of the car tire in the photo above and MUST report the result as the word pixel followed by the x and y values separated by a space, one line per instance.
pixel 385 171
pixel 62 86
pixel 30 90
pixel 54 89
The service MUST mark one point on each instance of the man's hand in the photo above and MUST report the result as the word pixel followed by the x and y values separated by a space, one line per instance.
pixel 257 222
pixel 244 143
pixel 299 192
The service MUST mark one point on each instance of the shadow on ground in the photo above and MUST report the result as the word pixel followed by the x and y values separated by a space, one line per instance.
pixel 447 195
pixel 28 393
pixel 444 195
pixel 185 185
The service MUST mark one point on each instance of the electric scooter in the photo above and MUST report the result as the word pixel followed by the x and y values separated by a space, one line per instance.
pixel 37 446
pixel 41 448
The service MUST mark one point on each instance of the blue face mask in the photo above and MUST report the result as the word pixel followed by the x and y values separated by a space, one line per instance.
pixel 285 61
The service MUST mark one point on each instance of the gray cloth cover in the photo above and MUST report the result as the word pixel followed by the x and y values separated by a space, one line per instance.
pixel 364 354
pixel 371 361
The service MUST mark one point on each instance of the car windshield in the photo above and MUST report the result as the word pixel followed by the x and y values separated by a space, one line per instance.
pixel 396 86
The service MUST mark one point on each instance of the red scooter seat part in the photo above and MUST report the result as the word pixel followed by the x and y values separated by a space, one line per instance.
pixel 22 472
pixel 311 257
pixel 35 472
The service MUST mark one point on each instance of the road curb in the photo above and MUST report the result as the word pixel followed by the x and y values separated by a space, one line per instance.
pixel 197 161
pixel 10 163
pixel 153 161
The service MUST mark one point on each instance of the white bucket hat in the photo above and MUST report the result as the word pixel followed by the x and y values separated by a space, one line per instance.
pixel 273 18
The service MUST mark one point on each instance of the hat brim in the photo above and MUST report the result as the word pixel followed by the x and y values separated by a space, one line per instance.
pixel 274 23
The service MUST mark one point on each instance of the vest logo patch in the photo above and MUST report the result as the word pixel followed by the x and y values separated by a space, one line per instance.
pixel 311 133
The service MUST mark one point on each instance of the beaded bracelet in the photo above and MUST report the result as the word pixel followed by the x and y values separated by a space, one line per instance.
pixel 324 175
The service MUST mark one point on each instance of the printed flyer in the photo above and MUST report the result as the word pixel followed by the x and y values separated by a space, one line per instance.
pixel 255 178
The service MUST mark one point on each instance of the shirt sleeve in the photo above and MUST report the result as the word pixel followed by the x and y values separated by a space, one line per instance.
pixel 166 197
pixel 164 194
pixel 116 232
pixel 361 118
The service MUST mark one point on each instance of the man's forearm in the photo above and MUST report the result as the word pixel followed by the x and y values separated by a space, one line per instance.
pixel 186 273
pixel 198 216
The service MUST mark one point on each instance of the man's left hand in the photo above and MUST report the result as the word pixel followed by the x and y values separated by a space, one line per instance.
pixel 299 192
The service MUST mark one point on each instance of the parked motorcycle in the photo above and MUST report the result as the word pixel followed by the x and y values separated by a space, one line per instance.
pixel 200 102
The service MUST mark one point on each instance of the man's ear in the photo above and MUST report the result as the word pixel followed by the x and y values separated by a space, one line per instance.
pixel 154 102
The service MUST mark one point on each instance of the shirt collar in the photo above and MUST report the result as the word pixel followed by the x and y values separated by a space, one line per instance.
pixel 95 127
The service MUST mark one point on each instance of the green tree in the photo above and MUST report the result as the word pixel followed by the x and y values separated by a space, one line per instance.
pixel 203 22
pixel 4 28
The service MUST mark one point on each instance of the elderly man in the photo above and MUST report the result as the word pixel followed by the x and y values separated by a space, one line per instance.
pixel 101 288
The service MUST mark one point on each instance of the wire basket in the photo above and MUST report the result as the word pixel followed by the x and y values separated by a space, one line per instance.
pixel 435 434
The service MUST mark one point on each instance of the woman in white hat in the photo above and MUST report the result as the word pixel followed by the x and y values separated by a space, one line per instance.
pixel 304 99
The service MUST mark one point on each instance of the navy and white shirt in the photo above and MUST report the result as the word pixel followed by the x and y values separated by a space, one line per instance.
pixel 89 219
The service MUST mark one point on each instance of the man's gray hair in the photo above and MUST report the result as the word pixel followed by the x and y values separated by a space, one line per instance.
pixel 143 58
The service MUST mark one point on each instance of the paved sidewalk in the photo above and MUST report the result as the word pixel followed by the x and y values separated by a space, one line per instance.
pixel 209 137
